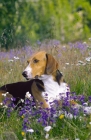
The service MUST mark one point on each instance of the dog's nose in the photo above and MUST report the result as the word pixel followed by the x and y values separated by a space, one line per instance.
pixel 24 74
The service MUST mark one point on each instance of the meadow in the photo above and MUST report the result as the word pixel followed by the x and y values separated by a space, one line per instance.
pixel 31 124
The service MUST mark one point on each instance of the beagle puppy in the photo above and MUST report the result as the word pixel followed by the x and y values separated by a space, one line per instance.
pixel 43 66
pixel 45 83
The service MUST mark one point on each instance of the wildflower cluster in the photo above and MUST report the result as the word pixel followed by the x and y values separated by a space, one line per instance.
pixel 31 115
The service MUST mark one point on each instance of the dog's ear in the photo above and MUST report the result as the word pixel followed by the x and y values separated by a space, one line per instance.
pixel 51 65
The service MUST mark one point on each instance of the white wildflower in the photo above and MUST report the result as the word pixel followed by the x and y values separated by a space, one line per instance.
pixel 75 116
pixel 55 115
pixel 22 100
pixel 87 110
pixel 4 95
pixel 85 104
pixel 90 123
pixel 84 43
pixel 88 59
pixel 10 60
pixel 90 38
pixel 5 106
pixel 17 58
pixel 81 62
pixel 47 128
pixel 84 115
pixel 30 130
pixel 47 136
pixel 68 115
pixel 64 46
pixel 12 99
pixel 80 118
pixel 67 63
pixel 28 95
pixel 1 103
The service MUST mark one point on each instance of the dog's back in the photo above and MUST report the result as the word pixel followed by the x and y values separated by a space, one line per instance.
pixel 18 90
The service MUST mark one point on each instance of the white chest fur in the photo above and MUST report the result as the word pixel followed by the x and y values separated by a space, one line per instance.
pixel 53 90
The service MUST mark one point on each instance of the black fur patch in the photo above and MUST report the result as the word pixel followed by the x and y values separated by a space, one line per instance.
pixel 40 85
pixel 58 76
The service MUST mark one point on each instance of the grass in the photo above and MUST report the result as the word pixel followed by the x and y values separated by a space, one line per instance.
pixel 78 77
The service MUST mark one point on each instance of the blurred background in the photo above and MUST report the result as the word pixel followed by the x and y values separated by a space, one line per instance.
pixel 24 22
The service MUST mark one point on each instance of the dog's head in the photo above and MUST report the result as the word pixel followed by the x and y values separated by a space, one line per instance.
pixel 39 64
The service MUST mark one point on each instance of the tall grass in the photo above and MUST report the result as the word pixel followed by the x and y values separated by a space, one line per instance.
pixel 74 62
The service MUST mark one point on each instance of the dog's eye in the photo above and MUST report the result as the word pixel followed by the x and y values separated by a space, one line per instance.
pixel 35 61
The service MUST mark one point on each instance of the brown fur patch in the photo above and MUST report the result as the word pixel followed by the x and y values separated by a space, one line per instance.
pixel 52 64
pixel 38 97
